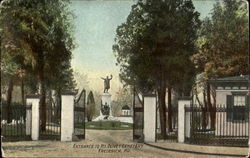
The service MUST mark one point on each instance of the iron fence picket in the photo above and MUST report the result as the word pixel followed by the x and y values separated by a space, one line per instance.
pixel 15 128
pixel 138 116
pixel 172 135
pixel 53 123
pixel 138 123
pixel 226 132
pixel 80 115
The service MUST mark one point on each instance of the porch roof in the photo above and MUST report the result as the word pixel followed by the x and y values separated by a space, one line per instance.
pixel 235 79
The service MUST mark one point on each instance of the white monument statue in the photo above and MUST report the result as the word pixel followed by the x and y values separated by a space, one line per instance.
pixel 106 98
pixel 106 108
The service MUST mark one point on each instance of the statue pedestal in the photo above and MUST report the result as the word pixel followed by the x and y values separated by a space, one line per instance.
pixel 106 100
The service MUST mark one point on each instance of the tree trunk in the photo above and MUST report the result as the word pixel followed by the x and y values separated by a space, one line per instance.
pixel 213 121
pixel 197 98
pixel 58 104
pixel 210 107
pixel 162 108
pixel 204 118
pixel 42 103
pixel 84 98
pixel 208 96
pixel 51 115
pixel 204 109
pixel 9 100
pixel 170 129
pixel 58 97
pixel 22 91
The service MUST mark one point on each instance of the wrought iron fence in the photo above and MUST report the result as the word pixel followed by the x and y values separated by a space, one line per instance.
pixel 13 122
pixel 138 123
pixel 171 124
pixel 220 125
pixel 79 122
pixel 53 123
pixel 138 117
pixel 172 128
pixel 80 116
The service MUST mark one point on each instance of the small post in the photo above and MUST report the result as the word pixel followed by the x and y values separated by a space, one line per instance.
pixel 67 116
pixel 149 118
pixel 34 101
pixel 249 146
pixel 28 119
pixel 183 119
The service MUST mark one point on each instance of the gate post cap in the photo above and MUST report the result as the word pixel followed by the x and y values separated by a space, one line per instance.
pixel 185 98
pixel 149 95
pixel 30 96
pixel 68 93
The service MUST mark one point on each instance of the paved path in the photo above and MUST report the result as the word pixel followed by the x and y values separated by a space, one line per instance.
pixel 117 144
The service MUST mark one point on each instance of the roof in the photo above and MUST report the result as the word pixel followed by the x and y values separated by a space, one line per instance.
pixel 241 78
pixel 125 107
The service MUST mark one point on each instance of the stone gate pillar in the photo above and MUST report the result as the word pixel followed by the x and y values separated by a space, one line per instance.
pixel 249 135
pixel 67 116
pixel 149 129
pixel 33 100
pixel 183 119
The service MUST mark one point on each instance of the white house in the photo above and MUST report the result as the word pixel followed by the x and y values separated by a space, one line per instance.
pixel 126 115
pixel 126 110
pixel 232 98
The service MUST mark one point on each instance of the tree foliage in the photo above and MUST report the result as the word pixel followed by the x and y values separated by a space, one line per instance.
pixel 40 33
pixel 154 46
pixel 223 41
pixel 223 48
pixel 152 42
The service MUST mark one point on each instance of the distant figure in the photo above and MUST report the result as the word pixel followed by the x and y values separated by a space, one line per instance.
pixel 107 83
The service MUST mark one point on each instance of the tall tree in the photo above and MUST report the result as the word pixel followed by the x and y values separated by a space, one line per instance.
pixel 154 44
pixel 9 70
pixel 41 30
pixel 223 40
pixel 223 46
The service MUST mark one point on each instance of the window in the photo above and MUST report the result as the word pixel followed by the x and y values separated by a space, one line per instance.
pixel 239 100
pixel 220 88
pixel 243 87
pixel 237 107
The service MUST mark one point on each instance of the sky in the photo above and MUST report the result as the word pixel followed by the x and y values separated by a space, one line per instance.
pixel 95 28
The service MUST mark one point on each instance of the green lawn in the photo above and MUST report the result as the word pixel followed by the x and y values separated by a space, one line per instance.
pixel 52 132
pixel 107 125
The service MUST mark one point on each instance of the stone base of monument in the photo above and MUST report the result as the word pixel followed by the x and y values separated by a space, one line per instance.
pixel 106 101
pixel 106 109
pixel 106 114
pixel 105 118
pixel 126 119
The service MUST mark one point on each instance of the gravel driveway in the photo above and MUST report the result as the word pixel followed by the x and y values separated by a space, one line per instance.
pixel 114 143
